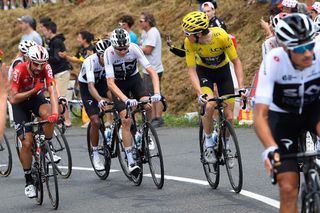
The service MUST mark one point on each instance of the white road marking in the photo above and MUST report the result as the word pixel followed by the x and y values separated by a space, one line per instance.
pixel 261 198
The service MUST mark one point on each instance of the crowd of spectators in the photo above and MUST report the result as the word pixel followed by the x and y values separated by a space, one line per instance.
pixel 13 4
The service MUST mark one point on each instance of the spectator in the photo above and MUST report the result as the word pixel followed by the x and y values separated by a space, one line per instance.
pixel 314 10
pixel 151 46
pixel 126 22
pixel 12 4
pixel 28 26
pixel 289 6
pixel 203 1
pixel 60 66
pixel 4 89
pixel 210 10
pixel 42 21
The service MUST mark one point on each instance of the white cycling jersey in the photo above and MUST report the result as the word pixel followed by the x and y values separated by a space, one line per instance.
pixel 15 62
pixel 268 45
pixel 91 70
pixel 121 68
pixel 284 88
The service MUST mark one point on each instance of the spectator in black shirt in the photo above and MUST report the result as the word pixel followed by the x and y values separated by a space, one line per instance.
pixel 210 9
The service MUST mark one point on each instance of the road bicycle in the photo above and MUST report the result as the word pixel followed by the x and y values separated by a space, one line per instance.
pixel 227 149
pixel 5 157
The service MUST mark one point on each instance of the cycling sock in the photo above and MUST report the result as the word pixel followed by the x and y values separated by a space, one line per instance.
pixel 209 141
pixel 28 177
pixel 95 151
pixel 129 154
pixel 208 136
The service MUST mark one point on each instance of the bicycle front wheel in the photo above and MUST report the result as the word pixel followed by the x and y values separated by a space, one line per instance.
pixel 232 156
pixel 103 151
pixel 212 171
pixel 50 175
pixel 5 157
pixel 60 146
pixel 154 155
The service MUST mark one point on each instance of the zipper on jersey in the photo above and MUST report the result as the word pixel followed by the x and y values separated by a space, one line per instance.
pixel 302 92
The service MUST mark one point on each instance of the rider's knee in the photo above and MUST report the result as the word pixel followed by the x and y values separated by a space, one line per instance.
pixel 288 191
pixel 95 122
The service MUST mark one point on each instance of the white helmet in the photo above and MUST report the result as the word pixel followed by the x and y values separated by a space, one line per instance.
pixel 317 22
pixel 120 38
pixel 276 19
pixel 38 54
pixel 295 29
pixel 25 45
pixel 289 3
pixel 102 45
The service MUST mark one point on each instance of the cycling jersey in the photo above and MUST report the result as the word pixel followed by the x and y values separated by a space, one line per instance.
pixel 284 88
pixel 268 45
pixel 92 70
pixel 16 61
pixel 122 68
pixel 214 54
pixel 22 80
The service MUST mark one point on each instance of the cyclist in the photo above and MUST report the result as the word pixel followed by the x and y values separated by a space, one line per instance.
pixel 23 48
pixel 26 97
pixel 124 79
pixel 208 52
pixel 287 100
pixel 93 89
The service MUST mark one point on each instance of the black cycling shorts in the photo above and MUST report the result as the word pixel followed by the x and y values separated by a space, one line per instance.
pixel 90 104
pixel 286 128
pixel 22 112
pixel 221 76
pixel 132 87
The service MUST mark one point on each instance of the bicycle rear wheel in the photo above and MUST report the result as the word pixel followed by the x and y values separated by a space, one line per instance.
pixel 59 145
pixel 5 157
pixel 212 171
pixel 103 151
pixel 122 157
pixel 232 156
pixel 50 175
pixel 153 154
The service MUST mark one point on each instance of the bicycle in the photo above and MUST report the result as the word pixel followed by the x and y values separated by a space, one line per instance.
pixel 43 169
pixel 310 189
pixel 108 149
pixel 149 149
pixel 227 149
pixel 5 157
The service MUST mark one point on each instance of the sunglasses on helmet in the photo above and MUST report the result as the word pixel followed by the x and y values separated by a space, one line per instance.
pixel 303 48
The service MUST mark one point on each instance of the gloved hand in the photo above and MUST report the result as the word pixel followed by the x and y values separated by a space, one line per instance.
pixel 38 86
pixel 53 118
pixel 202 100
pixel 156 97
pixel 131 102
pixel 101 103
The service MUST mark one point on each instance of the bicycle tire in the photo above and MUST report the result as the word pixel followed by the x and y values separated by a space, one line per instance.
pixel 36 172
pixel 152 147
pixel 122 157
pixel 212 171
pixel 18 144
pixel 231 155
pixel 61 147
pixel 103 151
pixel 5 158
pixel 50 174
pixel 76 111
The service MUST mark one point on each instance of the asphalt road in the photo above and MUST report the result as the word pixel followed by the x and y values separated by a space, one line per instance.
pixel 185 188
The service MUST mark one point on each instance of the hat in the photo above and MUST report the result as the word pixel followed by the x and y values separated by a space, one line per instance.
pixel 207 3
pixel 27 19
pixel 289 3
pixel 316 7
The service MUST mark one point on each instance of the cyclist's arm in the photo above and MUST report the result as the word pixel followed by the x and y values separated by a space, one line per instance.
pixel 155 79
pixel 17 97
pixel 93 91
pixel 53 98
pixel 115 89
pixel 239 72
pixel 194 79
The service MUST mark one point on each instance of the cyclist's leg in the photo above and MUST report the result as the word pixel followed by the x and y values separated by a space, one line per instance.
pixel 42 109
pixel 288 184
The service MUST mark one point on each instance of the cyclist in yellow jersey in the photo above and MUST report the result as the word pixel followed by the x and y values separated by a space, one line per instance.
pixel 208 52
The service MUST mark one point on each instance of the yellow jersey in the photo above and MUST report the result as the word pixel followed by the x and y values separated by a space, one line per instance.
pixel 217 53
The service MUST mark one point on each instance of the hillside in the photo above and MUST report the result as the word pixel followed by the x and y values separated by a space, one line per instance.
pixel 99 16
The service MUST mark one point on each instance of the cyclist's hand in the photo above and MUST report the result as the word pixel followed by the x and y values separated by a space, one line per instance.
pixel 38 86
pixel 202 99
pixel 131 102
pixel 101 103
pixel 53 118
pixel 266 158
pixel 156 98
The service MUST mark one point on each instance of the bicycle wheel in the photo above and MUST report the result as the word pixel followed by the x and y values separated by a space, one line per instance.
pixel 103 152
pixel 59 145
pixel 37 173
pixel 18 144
pixel 75 108
pixel 212 171
pixel 5 157
pixel 50 175
pixel 122 157
pixel 232 156
pixel 153 156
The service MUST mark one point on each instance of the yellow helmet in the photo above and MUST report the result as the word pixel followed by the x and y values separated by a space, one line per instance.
pixel 195 21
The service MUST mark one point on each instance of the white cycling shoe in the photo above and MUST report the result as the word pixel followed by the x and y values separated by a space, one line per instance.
pixel 30 191
pixel 209 155
pixel 97 163
pixel 56 158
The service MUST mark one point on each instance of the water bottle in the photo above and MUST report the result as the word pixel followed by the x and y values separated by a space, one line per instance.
pixel 138 137
pixel 107 135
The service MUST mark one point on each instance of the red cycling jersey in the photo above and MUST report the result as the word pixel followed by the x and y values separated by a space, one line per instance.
pixel 23 81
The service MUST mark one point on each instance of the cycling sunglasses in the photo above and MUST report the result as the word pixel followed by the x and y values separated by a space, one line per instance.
pixel 186 33
pixel 303 48
pixel 121 49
